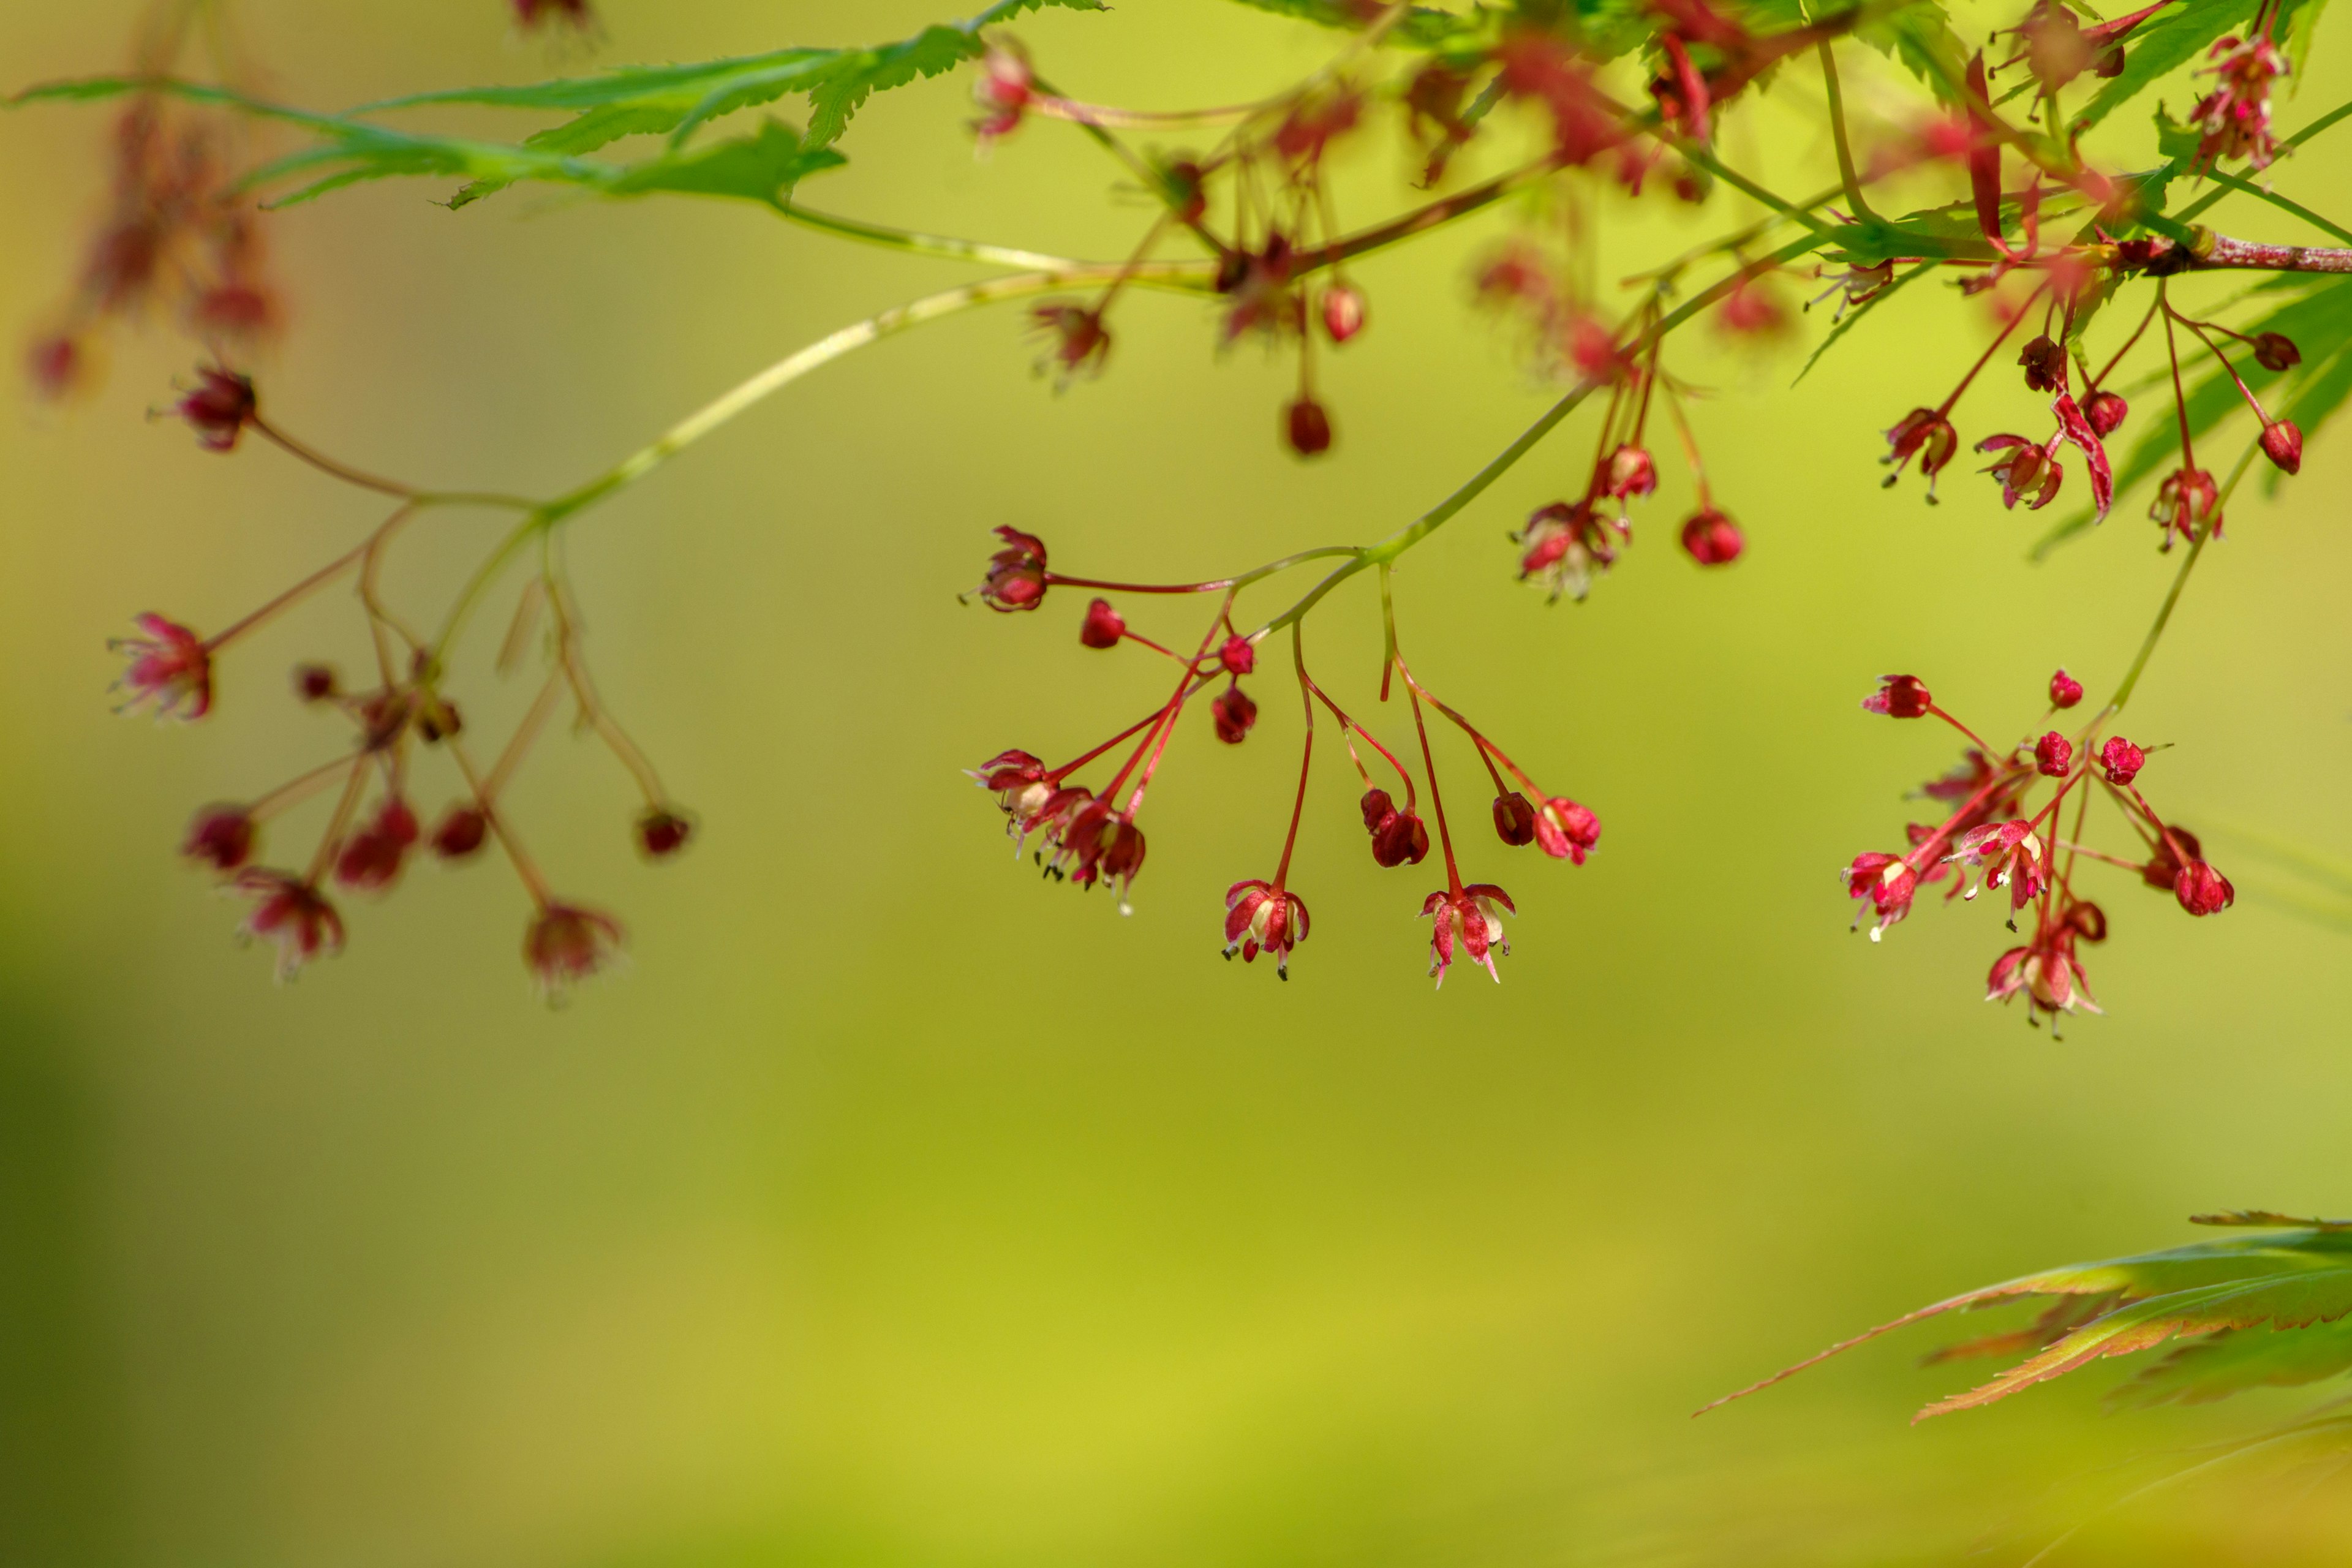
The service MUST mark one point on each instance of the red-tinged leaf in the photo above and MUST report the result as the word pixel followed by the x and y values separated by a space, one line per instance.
pixel 2058 1320
pixel 2228 1262
pixel 2268 1218
pixel 2234 1360
pixel 2077 429
pixel 2292 1301
pixel 1984 155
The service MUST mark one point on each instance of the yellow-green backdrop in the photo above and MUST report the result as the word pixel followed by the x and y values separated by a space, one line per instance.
pixel 895 1208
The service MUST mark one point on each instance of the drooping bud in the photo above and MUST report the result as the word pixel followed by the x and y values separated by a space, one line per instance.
pixel 1239 655
pixel 1401 841
pixel 2283 445
pixel 1712 539
pixel 1565 830
pixel 1899 697
pixel 2054 755
pixel 2202 890
pixel 1925 433
pixel 220 836
pixel 2046 365
pixel 566 944
pixel 218 407
pixel 2121 760
pixel 461 833
pixel 1515 819
pixel 1343 311
pixel 2104 412
pixel 2064 690
pixel 1307 427
pixel 1103 626
pixel 662 833
pixel 1234 714
pixel 315 682
pixel 372 858
pixel 1632 474
pixel 2276 351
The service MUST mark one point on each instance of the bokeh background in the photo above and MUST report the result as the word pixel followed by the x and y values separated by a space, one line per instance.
pixel 894 1208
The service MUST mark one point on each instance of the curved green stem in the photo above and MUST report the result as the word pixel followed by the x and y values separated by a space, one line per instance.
pixel 1837 135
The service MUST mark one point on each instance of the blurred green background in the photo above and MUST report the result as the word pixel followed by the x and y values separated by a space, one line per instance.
pixel 895 1208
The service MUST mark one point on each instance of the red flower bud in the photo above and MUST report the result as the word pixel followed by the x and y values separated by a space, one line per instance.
pixel 1234 714
pixel 1401 840
pixel 1899 697
pixel 2064 690
pixel 1515 819
pixel 2276 351
pixel 1239 655
pixel 220 836
pixel 2122 761
pixel 1308 427
pixel 314 682
pixel 1712 539
pixel 2283 445
pixel 2163 869
pixel 662 833
pixel 218 408
pixel 1565 830
pixel 372 858
pixel 2202 890
pixel 461 833
pixel 2046 365
pixel 1103 626
pixel 1343 312
pixel 1378 807
pixel 2054 755
pixel 2104 412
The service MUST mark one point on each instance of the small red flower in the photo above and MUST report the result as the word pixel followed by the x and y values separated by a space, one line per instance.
pixel 1927 435
pixel 55 365
pixel 1712 539
pixel 1752 310
pixel 291 914
pixel 1262 918
pixel 1631 474
pixel 1899 697
pixel 1343 312
pixel 2054 755
pixel 1234 714
pixel 566 944
pixel 218 408
pixel 461 833
pixel 2122 761
pixel 1563 544
pixel 662 833
pixel 2046 365
pixel 1885 883
pixel 1565 830
pixel 2104 412
pixel 1103 626
pixel 1004 91
pixel 1515 819
pixel 2046 969
pixel 170 667
pixel 2202 890
pixel 2283 445
pixel 1307 427
pixel 2187 503
pixel 2064 690
pixel 1080 343
pixel 1017 779
pixel 221 837
pixel 2028 470
pixel 2003 854
pixel 1016 573
pixel 1470 920
pixel 371 858
pixel 2233 120
pixel 1239 655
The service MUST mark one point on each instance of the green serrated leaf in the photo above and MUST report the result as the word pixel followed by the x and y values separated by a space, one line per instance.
pixel 1420 28
pixel 762 168
pixel 2234 1360
pixel 1919 37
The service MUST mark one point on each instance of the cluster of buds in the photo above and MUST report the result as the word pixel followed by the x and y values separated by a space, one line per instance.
pixel 1086 834
pixel 2233 120
pixel 179 236
pixel 1993 838
pixel 374 831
